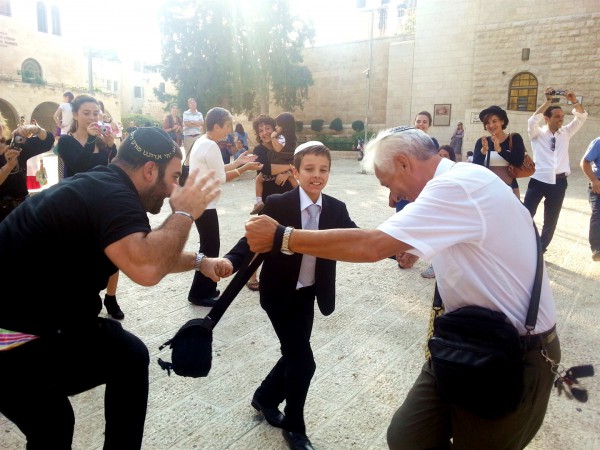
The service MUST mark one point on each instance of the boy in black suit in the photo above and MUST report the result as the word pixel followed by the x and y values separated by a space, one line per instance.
pixel 289 284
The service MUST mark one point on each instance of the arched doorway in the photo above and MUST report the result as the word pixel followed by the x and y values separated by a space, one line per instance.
pixel 44 115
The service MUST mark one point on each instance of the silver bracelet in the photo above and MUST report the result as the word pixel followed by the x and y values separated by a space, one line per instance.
pixel 186 214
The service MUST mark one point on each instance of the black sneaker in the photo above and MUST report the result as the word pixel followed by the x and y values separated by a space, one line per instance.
pixel 113 308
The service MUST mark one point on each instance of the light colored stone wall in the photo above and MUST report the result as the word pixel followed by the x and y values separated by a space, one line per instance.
pixel 464 53
pixel 444 60
pixel 400 83
pixel 340 82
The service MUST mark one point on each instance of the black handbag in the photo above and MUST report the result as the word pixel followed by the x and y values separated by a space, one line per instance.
pixel 185 172
pixel 477 355
pixel 191 347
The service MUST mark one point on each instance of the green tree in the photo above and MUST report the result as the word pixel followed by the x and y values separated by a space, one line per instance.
pixel 234 54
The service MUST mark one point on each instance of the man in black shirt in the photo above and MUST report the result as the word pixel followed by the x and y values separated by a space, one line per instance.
pixel 90 225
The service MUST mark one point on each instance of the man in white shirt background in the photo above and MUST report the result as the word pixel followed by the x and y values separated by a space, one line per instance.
pixel 550 145
pixel 193 124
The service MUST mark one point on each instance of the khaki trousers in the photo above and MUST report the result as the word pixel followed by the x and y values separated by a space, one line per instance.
pixel 425 421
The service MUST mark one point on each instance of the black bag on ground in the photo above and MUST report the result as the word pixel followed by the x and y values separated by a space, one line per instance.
pixel 477 359
pixel 192 350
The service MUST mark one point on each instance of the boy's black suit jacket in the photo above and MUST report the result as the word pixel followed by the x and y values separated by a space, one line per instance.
pixel 279 274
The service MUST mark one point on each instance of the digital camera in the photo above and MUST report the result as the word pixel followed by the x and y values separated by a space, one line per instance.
pixel 558 92
pixel 17 142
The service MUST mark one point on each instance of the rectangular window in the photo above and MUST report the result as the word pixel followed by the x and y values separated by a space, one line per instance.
pixel 5 8
pixel 41 18
pixel 137 92
pixel 56 21
pixel 137 66
pixel 115 86
pixel 108 85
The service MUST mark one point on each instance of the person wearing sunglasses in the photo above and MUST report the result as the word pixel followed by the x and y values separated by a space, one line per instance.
pixel 550 145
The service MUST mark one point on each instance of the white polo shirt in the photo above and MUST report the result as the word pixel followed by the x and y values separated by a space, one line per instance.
pixel 206 155
pixel 481 242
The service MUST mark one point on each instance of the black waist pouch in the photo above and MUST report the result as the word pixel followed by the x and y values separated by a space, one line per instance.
pixel 478 361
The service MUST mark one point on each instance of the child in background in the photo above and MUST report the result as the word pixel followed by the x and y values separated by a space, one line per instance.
pixel 284 142
pixel 470 156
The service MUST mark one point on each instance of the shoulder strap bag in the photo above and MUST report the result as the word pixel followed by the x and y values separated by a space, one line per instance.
pixel 524 170
pixel 477 355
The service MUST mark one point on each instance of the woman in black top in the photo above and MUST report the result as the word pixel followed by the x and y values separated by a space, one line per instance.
pixel 500 149
pixel 88 144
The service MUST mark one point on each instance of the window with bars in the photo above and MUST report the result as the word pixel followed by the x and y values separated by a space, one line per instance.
pixel 31 71
pixel 522 93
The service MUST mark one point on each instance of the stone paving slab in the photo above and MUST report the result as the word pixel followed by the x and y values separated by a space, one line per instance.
pixel 368 352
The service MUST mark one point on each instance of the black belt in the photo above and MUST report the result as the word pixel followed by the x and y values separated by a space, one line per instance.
pixel 561 175
pixel 191 135
pixel 537 341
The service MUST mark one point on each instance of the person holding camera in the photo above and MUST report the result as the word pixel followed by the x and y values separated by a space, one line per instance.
pixel 16 148
pixel 550 145
pixel 88 143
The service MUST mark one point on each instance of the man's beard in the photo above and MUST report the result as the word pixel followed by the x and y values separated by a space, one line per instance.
pixel 154 198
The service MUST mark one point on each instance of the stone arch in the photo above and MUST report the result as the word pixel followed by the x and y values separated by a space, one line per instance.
pixel 10 113
pixel 44 115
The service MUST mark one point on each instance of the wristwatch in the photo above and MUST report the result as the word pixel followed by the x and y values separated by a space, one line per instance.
pixel 199 258
pixel 286 241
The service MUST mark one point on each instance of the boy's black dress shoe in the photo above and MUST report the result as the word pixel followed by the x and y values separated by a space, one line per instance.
pixel 209 301
pixel 297 441
pixel 272 415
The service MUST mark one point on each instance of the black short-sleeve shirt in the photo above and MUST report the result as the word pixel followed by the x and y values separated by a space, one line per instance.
pixel 52 249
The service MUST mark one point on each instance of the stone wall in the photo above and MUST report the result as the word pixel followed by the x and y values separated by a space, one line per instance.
pixel 464 53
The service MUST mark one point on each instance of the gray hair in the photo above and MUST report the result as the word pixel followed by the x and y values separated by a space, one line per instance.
pixel 382 149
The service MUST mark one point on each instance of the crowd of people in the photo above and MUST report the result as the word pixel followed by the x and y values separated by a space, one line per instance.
pixel 447 212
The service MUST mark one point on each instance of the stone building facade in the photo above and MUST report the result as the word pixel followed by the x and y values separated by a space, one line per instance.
pixel 40 62
pixel 464 54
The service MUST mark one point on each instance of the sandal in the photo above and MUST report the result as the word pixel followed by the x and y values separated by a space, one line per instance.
pixel 253 285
